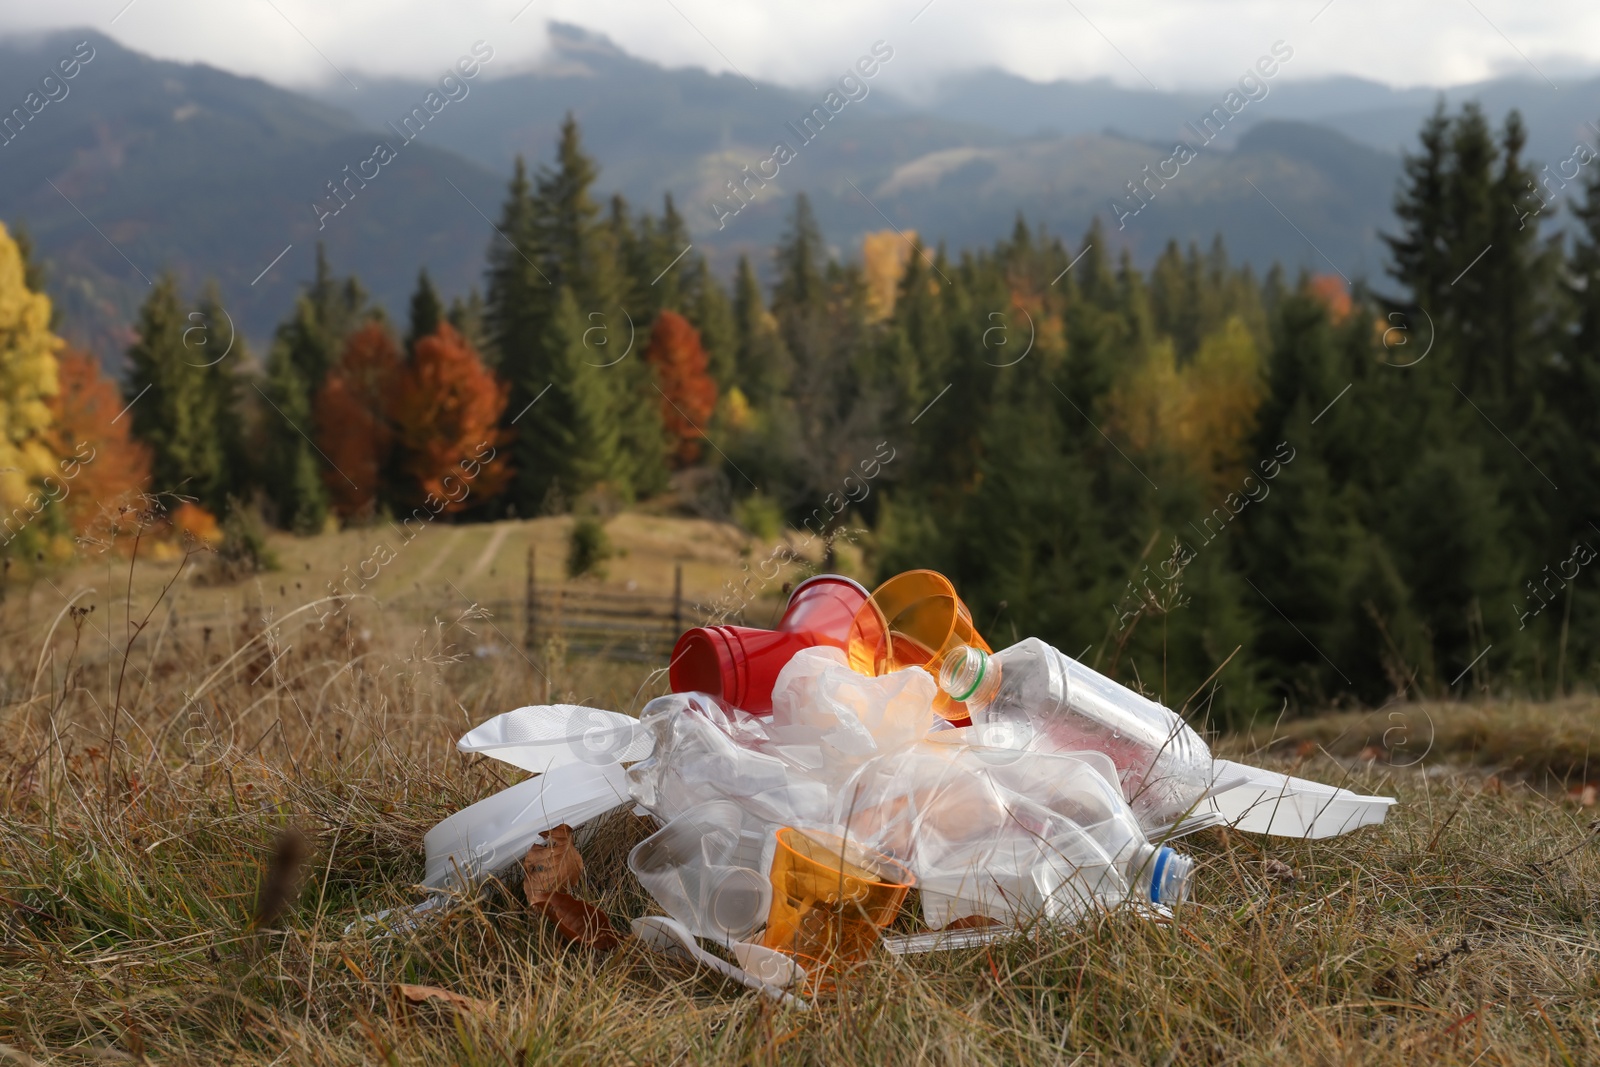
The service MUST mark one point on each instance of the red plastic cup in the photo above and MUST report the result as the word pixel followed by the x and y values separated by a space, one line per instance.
pixel 824 606
pixel 738 664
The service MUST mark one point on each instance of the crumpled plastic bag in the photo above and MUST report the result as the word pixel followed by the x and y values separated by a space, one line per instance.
pixel 704 751
pixel 831 719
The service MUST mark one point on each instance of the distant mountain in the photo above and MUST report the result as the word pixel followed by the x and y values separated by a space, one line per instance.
pixel 214 175
pixel 1377 115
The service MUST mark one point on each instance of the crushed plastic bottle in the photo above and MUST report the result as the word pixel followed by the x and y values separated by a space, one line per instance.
pixel 1013 835
pixel 1058 704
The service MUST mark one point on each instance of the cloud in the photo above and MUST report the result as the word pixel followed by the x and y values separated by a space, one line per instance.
pixel 1172 44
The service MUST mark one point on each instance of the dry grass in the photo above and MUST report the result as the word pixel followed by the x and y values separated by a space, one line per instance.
pixel 153 911
pixel 1554 744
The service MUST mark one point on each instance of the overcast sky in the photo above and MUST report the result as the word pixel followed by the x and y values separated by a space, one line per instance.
pixel 1166 43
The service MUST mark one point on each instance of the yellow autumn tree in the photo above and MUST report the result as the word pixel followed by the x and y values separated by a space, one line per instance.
pixel 1225 389
pixel 883 261
pixel 1201 413
pixel 1148 402
pixel 27 382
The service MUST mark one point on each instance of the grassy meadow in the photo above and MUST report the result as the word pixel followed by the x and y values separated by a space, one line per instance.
pixel 189 821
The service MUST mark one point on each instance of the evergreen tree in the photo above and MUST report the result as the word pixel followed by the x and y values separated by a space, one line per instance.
pixel 573 249
pixel 670 242
pixel 580 256
pixel 569 442
pixel 305 348
pixel 223 397
pixel 1487 285
pixel 181 400
pixel 466 316
pixel 518 288
pixel 707 307
pixel 426 312
pixel 800 259
pixel 632 247
pixel 291 468
pixel 762 366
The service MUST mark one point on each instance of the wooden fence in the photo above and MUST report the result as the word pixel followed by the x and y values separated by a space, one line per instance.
pixel 610 623
pixel 588 619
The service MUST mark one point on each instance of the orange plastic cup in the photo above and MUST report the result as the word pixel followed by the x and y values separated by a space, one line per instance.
pixel 831 899
pixel 912 620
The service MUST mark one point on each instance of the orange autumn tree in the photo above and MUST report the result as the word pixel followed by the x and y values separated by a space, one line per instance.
pixel 688 392
pixel 92 434
pixel 1332 293
pixel 352 417
pixel 446 415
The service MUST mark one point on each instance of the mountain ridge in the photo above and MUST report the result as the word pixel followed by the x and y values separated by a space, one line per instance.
pixel 158 164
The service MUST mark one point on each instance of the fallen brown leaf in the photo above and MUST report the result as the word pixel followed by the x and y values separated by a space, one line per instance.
pixel 421 994
pixel 577 920
pixel 1278 871
pixel 552 866
pixel 971 922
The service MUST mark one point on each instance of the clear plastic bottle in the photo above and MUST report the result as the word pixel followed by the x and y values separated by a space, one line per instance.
pixel 1164 766
pixel 1031 835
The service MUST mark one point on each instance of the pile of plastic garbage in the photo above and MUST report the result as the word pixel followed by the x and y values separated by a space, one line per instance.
pixel 807 778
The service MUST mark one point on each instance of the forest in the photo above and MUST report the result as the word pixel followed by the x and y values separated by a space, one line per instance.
pixel 1240 493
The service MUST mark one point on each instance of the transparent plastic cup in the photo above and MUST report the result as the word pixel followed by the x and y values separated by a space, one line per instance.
pixel 831 899
pixel 703 868
pixel 913 620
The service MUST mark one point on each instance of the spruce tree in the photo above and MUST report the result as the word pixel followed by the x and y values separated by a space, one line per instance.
pixel 223 399
pixel 579 255
pixel 181 401
pixel 670 261
pixel 305 348
pixel 762 366
pixel 290 465
pixel 800 259
pixel 569 442
pixel 518 291
pixel 426 311
pixel 706 305
pixel 466 316
pixel 1487 286
pixel 631 246
pixel 572 247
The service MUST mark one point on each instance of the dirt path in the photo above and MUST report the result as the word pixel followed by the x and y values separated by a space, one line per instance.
pixel 448 547
pixel 490 550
